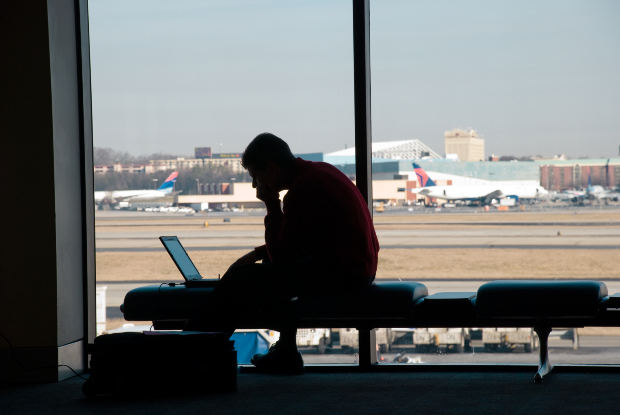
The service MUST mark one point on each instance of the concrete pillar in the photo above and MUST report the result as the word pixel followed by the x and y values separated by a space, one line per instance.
pixel 47 284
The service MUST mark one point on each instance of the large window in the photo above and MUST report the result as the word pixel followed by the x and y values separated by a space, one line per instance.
pixel 183 86
pixel 487 96
pixel 490 100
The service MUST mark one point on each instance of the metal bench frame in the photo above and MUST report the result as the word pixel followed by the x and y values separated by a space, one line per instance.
pixel 459 310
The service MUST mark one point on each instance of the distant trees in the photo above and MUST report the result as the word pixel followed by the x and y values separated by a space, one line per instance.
pixel 125 181
pixel 515 158
pixel 189 181
pixel 106 156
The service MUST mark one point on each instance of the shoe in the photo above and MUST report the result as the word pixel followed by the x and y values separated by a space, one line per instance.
pixel 280 360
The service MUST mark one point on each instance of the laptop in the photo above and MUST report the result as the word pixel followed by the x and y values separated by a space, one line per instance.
pixel 184 263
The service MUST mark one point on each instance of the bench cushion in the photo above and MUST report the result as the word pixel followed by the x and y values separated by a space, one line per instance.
pixel 540 299
pixel 165 302
pixel 382 300
pixel 445 309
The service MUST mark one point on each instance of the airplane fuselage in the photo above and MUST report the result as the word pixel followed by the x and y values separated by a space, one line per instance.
pixel 116 195
pixel 484 191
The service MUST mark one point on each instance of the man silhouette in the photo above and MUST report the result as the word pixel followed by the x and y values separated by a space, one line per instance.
pixel 320 239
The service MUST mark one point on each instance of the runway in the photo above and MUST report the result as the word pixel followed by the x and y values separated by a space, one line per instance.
pixel 422 244
pixel 401 246
pixel 118 232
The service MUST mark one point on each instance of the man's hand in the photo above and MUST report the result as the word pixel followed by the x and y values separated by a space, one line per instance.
pixel 266 194
pixel 249 258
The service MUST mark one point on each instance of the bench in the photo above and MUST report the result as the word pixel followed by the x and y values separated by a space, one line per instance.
pixel 541 305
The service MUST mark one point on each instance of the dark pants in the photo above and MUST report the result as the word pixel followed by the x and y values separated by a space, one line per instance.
pixel 269 289
pixel 253 289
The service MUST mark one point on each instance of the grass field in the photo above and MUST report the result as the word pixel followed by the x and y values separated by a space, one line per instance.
pixel 419 264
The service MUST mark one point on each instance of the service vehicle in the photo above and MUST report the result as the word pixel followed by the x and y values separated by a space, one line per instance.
pixel 502 338
pixel 349 338
pixel 454 338
pixel 319 339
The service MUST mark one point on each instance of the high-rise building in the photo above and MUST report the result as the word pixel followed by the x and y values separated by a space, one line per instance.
pixel 467 145
pixel 202 152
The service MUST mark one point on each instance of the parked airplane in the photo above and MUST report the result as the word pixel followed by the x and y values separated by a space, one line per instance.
pixel 116 196
pixel 484 191
pixel 598 192
pixel 591 193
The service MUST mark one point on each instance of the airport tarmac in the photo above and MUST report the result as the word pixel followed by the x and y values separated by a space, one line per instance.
pixel 560 352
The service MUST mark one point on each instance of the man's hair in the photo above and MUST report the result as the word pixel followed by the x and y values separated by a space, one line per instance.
pixel 267 147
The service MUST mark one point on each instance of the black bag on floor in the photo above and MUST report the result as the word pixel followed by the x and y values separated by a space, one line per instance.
pixel 156 362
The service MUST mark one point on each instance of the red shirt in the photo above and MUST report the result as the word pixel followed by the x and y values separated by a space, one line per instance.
pixel 325 223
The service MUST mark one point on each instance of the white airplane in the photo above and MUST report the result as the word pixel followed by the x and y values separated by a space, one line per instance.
pixel 598 192
pixel 568 195
pixel 115 196
pixel 484 191
pixel 592 193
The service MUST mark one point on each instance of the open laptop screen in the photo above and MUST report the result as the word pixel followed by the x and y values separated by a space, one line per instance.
pixel 180 258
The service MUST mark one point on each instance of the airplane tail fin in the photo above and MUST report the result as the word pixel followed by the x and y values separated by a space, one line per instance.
pixel 423 178
pixel 168 185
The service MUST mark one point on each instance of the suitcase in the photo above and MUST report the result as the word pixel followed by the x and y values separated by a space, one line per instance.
pixel 161 362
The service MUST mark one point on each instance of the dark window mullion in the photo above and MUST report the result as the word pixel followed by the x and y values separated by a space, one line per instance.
pixel 363 138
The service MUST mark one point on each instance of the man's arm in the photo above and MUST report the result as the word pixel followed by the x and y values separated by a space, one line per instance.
pixel 274 228
pixel 259 253
pixel 286 227
pixel 274 221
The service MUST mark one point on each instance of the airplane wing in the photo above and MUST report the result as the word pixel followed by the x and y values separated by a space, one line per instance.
pixel 615 196
pixel 496 194
pixel 115 196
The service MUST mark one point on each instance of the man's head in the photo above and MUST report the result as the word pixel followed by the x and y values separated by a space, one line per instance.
pixel 268 159
pixel 267 148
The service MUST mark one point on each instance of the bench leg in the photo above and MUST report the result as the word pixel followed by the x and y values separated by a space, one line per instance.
pixel 575 339
pixel 367 348
pixel 544 366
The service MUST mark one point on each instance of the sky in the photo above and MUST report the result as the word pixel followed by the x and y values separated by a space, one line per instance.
pixel 532 77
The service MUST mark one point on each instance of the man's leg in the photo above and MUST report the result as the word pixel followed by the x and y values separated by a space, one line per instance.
pixel 288 338
pixel 282 357
pixel 246 290
pixel 242 293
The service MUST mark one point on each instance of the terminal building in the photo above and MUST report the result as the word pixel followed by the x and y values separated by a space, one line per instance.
pixel 203 158
pixel 233 161
pixel 393 174
pixel 389 150
pixel 465 145
pixel 561 175
pixel 392 171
